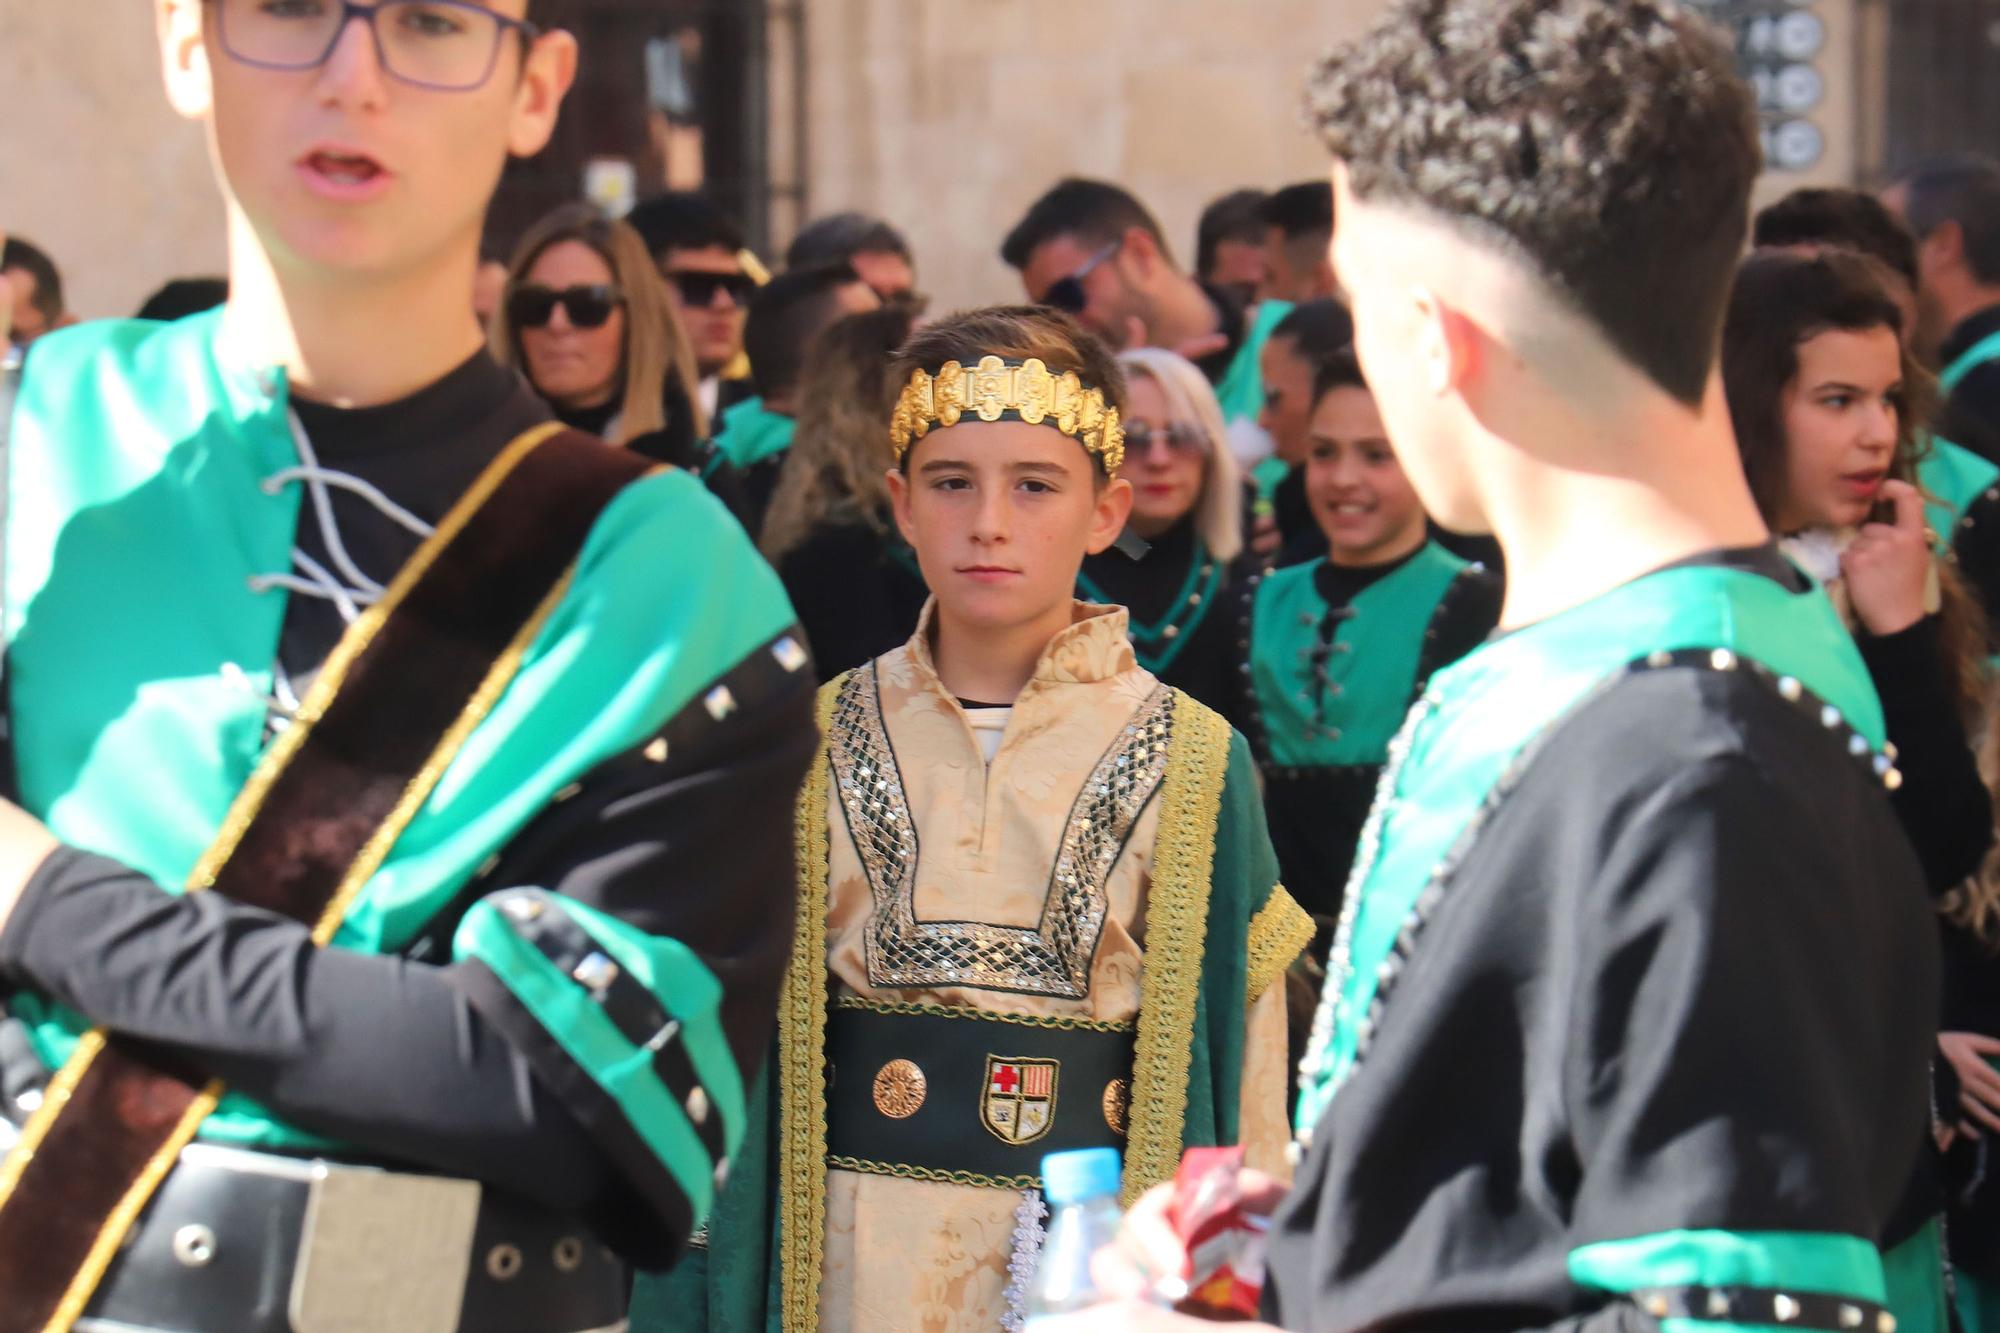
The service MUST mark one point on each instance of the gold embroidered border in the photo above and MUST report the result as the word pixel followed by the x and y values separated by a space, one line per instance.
pixel 802 1054
pixel 980 1015
pixel 901 1172
pixel 1279 933
pixel 1176 931
pixel 237 821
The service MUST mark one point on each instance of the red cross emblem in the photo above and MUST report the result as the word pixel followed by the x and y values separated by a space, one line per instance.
pixel 1019 1103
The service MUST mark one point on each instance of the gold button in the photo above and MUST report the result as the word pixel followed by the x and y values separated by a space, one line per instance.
pixel 899 1089
pixel 1117 1105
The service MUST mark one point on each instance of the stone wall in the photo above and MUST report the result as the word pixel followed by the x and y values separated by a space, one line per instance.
pixel 946 116
pixel 94 166
pixel 950 116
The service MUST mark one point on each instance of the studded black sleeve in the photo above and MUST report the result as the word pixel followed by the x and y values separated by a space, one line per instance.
pixel 390 1053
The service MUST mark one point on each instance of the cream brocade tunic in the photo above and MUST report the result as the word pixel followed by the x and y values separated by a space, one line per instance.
pixel 929 1257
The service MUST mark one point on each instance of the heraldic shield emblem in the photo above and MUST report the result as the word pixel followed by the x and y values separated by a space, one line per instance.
pixel 1019 1103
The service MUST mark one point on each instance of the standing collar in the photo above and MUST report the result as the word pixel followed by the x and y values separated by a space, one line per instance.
pixel 1093 647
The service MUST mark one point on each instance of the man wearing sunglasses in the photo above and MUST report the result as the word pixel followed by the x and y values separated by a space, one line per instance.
pixel 700 250
pixel 479 737
pixel 1092 250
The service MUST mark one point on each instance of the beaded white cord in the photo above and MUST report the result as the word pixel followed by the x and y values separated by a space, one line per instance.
pixel 1029 1235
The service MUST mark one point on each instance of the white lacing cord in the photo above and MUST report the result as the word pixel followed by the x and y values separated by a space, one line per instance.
pixel 353 590
pixel 349 593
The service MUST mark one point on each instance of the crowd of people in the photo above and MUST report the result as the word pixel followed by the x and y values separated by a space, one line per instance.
pixel 1480 691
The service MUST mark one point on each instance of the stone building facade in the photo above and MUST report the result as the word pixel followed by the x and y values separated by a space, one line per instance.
pixel 946 116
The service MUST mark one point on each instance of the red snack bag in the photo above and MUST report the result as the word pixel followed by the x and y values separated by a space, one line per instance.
pixel 1225 1245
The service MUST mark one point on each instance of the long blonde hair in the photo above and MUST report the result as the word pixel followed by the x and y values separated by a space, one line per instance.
pixel 840 454
pixel 1191 404
pixel 656 345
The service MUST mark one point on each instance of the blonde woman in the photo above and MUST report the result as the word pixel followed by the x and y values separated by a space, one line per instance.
pixel 585 316
pixel 829 531
pixel 1187 519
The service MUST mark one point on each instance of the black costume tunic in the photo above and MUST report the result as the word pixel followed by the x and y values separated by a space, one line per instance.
pixel 385 1052
pixel 1180 623
pixel 1651 1044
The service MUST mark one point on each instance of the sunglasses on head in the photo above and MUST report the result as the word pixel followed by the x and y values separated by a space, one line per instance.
pixel 698 289
pixel 533 306
pixel 1067 294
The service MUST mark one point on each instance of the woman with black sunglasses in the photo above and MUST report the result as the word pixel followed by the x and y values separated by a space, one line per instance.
pixel 587 319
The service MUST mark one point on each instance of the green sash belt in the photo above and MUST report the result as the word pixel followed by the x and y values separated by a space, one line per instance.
pixel 967 1096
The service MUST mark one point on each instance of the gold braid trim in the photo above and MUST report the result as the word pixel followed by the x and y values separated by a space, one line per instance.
pixel 236 822
pixel 1176 931
pixel 1279 933
pixel 980 1015
pixel 802 1055
pixel 901 1172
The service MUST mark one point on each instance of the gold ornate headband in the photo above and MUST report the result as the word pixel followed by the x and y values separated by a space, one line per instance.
pixel 997 388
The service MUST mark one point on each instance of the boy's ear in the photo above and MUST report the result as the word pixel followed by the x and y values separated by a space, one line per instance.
pixel 899 504
pixel 546 75
pixel 184 57
pixel 1448 343
pixel 1107 520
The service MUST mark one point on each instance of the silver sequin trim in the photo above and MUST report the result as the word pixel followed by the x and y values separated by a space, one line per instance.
pixel 1052 958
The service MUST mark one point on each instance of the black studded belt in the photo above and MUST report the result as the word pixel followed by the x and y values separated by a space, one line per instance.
pixel 963 1095
pixel 258 1242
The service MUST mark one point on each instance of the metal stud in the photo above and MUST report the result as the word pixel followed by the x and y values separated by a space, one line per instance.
pixel 1857 745
pixel 719 702
pixel 595 971
pixel 697 1106
pixel 1885 1323
pixel 1722 660
pixel 1658 658
pixel 503 1262
pixel 789 654
pixel 1889 748
pixel 1850 1316
pixel 657 751
pixel 523 907
pixel 1171 632
pixel 1785 1308
pixel 1893 780
pixel 1656 1305
pixel 568 1254
pixel 1718 1304
pixel 1829 716
pixel 1789 687
pixel 567 792
pixel 194 1246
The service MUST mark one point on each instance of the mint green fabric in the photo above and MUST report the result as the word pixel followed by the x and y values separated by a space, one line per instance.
pixel 1822 1262
pixel 1481 712
pixel 1241 388
pixel 750 433
pixel 1913 1279
pixel 1265 474
pixel 1376 675
pixel 130 437
pixel 1975 356
pixel 687 991
pixel 1952 478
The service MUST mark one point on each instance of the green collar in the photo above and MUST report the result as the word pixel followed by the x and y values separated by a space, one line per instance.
pixel 752 433
pixel 1159 644
pixel 1971 359
pixel 1478 717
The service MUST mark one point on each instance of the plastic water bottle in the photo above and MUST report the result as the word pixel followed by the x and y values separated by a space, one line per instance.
pixel 1082 1190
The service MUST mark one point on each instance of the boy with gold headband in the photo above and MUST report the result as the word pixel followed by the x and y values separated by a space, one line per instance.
pixel 1039 907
